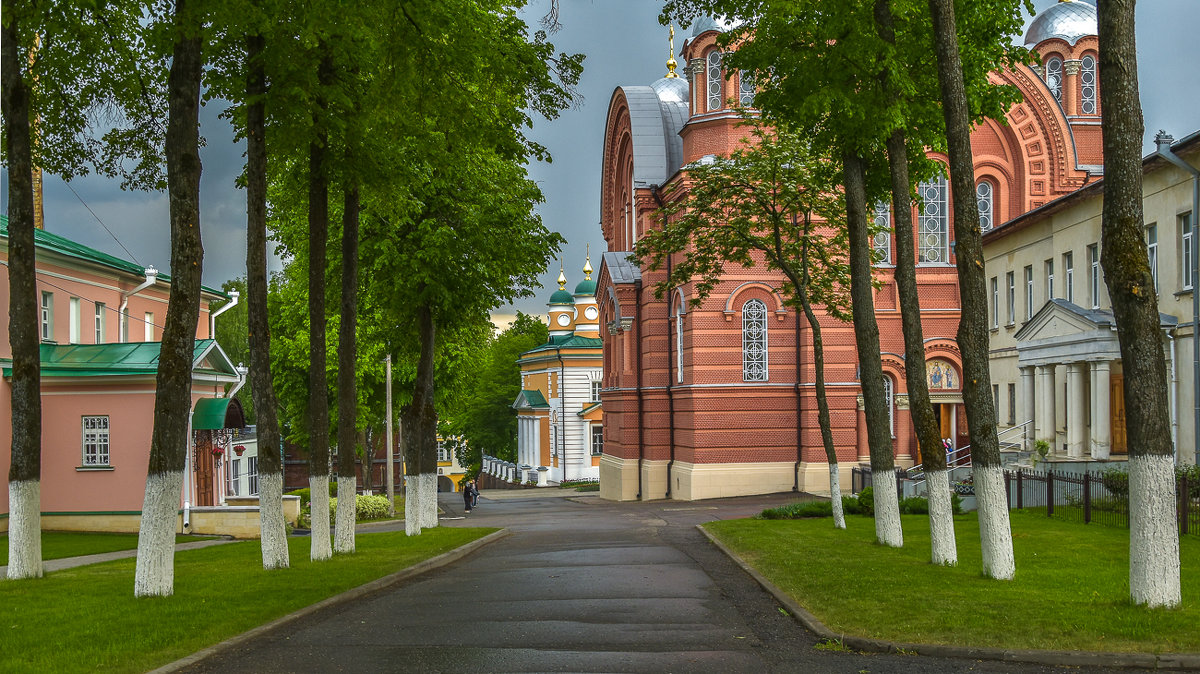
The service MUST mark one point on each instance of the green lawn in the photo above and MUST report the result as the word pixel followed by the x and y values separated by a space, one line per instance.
pixel 85 619
pixel 1071 589
pixel 60 544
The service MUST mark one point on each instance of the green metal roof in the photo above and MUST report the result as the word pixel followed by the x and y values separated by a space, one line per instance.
pixel 54 243
pixel 565 342
pixel 588 408
pixel 213 413
pixel 562 296
pixel 533 398
pixel 586 287
pixel 104 360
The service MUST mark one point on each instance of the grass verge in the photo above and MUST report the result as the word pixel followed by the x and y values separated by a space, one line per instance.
pixel 220 591
pixel 1071 591
pixel 62 544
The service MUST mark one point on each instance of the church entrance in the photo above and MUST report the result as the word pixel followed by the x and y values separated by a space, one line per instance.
pixel 1116 405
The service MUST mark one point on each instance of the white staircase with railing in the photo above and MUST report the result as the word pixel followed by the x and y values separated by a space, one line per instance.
pixel 1014 444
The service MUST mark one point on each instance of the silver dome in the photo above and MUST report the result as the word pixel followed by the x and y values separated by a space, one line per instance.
pixel 671 89
pixel 707 23
pixel 1068 21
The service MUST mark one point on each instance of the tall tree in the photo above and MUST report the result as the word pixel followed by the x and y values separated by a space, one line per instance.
pixel 757 207
pixel 273 526
pixel 347 396
pixel 1153 538
pixel 994 531
pixel 24 474
pixel 155 572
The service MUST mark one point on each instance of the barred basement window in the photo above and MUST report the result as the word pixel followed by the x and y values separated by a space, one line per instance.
pixel 933 245
pixel 95 441
pixel 597 440
pixel 1087 85
pixel 714 80
pixel 882 243
pixel 754 341
pixel 983 196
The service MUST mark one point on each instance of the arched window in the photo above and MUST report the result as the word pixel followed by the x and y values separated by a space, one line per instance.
pixel 745 89
pixel 881 244
pixel 1087 85
pixel 714 79
pixel 889 395
pixel 754 341
pixel 984 196
pixel 934 235
pixel 1054 71
pixel 679 347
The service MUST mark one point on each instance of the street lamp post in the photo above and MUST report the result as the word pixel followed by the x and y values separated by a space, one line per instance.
pixel 391 487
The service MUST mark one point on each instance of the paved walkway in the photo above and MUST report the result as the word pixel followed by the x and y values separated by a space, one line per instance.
pixel 72 562
pixel 581 585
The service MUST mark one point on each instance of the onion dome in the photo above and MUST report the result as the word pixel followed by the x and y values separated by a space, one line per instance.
pixel 587 286
pixel 562 296
pixel 1069 20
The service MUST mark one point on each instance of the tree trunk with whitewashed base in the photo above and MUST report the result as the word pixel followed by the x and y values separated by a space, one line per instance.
pixel 412 506
pixel 943 550
pixel 272 524
pixel 154 575
pixel 319 548
pixel 1153 538
pixel 994 530
pixel 343 531
pixel 24 475
pixel 343 526
pixel 835 497
pixel 866 338
pixel 823 418
pixel 420 429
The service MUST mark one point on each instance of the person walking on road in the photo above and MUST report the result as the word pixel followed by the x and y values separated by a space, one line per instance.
pixel 467 489
pixel 474 494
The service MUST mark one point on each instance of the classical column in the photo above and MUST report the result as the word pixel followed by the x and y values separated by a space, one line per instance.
pixel 1028 403
pixel 1102 417
pixel 1076 410
pixel 864 448
pixel 1070 86
pixel 1046 427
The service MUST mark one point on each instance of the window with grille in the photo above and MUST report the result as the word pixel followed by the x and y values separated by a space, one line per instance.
pixel 597 440
pixel 754 341
pixel 933 246
pixel 882 242
pixel 889 397
pixel 984 194
pixel 679 348
pixel 1087 85
pixel 745 89
pixel 95 441
pixel 714 79
pixel 1054 72
pixel 596 385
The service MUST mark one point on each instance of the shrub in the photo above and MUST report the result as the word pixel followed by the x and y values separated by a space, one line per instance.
pixel 589 487
pixel 850 505
pixel 866 501
pixel 1192 473
pixel 305 496
pixel 365 508
pixel 1116 481
pixel 914 505
pixel 794 511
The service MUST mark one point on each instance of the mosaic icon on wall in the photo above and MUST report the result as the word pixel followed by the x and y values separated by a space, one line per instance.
pixel 941 374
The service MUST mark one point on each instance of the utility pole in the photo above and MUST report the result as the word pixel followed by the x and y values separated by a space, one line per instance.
pixel 391 487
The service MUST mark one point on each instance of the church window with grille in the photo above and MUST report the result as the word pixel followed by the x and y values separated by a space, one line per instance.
pixel 1054 73
pixel 1087 85
pixel 889 395
pixel 754 341
pixel 984 196
pixel 881 243
pixel 713 69
pixel 745 88
pixel 934 223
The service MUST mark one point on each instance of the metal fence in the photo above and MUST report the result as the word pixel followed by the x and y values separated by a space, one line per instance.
pixel 1091 498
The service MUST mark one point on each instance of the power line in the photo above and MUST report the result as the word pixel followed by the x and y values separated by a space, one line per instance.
pixel 110 232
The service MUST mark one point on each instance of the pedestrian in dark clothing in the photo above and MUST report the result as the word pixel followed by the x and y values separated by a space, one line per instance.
pixel 474 494
pixel 467 495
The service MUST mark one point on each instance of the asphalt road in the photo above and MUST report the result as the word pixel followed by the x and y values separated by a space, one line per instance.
pixel 581 585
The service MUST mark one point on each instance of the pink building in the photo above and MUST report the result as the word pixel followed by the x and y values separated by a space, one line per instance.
pixel 101 318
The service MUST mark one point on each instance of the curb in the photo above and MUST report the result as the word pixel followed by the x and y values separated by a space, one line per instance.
pixel 349 595
pixel 1187 661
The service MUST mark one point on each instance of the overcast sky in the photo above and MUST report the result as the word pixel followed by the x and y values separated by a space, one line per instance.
pixel 624 45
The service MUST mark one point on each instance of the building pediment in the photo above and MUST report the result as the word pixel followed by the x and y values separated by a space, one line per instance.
pixel 1064 332
pixel 530 400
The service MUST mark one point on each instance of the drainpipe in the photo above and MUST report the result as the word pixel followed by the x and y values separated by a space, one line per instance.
pixel 562 417
pixel 122 318
pixel 1164 141
pixel 187 479
pixel 637 337
pixel 1174 397
pixel 242 370
pixel 212 319
pixel 670 361
pixel 799 396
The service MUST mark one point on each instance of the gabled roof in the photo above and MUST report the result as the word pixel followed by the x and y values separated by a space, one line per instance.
pixel 1089 318
pixel 1064 332
pixel 53 243
pixel 136 358
pixel 588 408
pixel 621 267
pixel 530 399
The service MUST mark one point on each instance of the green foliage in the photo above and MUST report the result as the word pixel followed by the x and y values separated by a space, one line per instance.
pixel 866 501
pixel 63 544
pixel 914 505
pixel 850 506
pixel 233 335
pixel 1116 481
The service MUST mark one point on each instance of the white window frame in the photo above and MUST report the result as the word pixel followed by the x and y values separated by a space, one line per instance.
pixel 881 243
pixel 47 316
pixel 95 436
pixel 100 323
pixel 1087 85
pixel 933 229
pixel 1011 279
pixel 1069 276
pixel 1152 251
pixel 1028 291
pixel 1094 280
pixel 985 198
pixel 595 386
pixel 995 285
pixel 1054 77
pixel 76 319
pixel 252 476
pixel 1186 250
pixel 754 341
pixel 234 475
pixel 889 397
pixel 712 66
pixel 678 347
pixel 149 326
pixel 1049 269
pixel 597 439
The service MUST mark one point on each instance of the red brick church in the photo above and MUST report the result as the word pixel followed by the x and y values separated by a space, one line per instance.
pixel 719 400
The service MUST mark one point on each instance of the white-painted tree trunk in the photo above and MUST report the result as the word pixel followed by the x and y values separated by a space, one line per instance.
pixel 271 522
pixel 1153 537
pixel 412 506
pixel 155 572
pixel 944 551
pixel 887 509
pixel 995 532
pixel 429 500
pixel 319 548
pixel 343 529
pixel 24 529
pixel 835 496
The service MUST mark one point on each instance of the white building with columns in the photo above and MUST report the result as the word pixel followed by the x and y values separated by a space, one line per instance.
pixel 1055 358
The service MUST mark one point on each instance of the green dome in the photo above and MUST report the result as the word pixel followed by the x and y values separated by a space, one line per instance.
pixel 586 287
pixel 561 296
